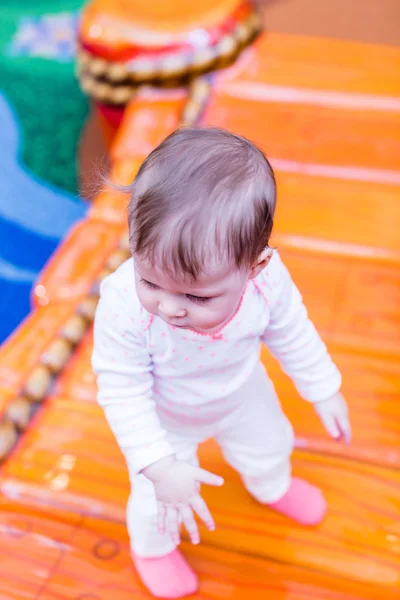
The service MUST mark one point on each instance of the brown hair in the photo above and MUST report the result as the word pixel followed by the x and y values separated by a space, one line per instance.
pixel 201 194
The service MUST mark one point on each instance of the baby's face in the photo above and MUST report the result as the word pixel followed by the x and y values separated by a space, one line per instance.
pixel 204 305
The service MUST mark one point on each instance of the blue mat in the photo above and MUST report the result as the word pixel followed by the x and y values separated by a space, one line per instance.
pixel 33 219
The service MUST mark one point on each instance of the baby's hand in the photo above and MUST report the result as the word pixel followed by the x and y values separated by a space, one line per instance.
pixel 335 417
pixel 177 490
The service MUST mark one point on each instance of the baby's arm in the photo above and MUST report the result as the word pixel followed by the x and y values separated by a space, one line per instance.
pixel 294 341
pixel 123 367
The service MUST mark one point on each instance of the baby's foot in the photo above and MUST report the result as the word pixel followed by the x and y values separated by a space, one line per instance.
pixel 167 576
pixel 303 502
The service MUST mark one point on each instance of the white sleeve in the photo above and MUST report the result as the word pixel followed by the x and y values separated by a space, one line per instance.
pixel 293 339
pixel 123 367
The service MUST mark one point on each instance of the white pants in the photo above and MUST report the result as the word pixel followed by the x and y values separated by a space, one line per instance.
pixel 256 439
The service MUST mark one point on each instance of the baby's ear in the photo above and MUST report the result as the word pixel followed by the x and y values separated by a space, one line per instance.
pixel 261 263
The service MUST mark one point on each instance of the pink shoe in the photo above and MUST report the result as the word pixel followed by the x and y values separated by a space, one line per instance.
pixel 167 576
pixel 303 502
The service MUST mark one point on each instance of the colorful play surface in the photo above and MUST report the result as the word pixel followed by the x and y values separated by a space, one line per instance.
pixel 327 113
pixel 41 114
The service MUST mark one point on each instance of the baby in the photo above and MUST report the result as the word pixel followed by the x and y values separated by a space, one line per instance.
pixel 177 341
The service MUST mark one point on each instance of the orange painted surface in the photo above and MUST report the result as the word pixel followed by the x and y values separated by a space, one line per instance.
pixel 147 121
pixel 165 17
pixel 119 28
pixel 78 379
pixel 344 295
pixel 110 205
pixel 103 547
pixel 316 131
pixel 335 122
pixel 76 263
pixel 358 540
pixel 22 351
pixel 314 103
pixel 320 64
pixel 339 210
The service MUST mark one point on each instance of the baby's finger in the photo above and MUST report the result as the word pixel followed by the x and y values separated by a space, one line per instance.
pixel 207 477
pixel 190 523
pixel 345 429
pixel 201 508
pixel 173 524
pixel 331 426
pixel 162 513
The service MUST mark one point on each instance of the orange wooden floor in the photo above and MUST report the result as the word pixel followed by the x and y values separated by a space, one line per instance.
pixel 328 115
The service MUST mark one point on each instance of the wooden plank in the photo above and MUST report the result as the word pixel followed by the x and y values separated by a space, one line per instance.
pixel 91 559
pixel 338 210
pixel 23 349
pixel 303 134
pixel 358 540
pixel 73 267
pixel 148 119
pixel 370 385
pixel 354 302
pixel 317 63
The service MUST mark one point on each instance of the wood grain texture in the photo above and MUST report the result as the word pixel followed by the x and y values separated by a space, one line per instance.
pixel 91 559
pixel 328 112
pixel 70 454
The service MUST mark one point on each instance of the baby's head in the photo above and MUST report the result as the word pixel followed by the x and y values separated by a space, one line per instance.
pixel 200 219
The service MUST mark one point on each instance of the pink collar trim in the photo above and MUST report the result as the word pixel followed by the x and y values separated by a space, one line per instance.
pixel 218 335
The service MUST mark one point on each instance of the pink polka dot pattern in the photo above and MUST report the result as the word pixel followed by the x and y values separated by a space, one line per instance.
pixel 191 376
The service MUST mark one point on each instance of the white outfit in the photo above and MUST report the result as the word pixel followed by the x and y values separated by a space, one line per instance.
pixel 165 389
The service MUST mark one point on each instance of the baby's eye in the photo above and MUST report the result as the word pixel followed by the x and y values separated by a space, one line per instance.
pixel 198 299
pixel 150 285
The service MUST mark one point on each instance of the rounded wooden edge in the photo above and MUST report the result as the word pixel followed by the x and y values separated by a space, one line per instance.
pixel 116 83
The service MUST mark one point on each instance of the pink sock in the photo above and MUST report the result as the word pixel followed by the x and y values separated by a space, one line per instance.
pixel 167 576
pixel 302 502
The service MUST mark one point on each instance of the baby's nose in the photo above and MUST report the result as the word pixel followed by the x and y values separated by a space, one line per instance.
pixel 170 309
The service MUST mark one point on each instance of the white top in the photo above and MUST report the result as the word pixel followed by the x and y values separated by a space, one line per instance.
pixel 145 366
